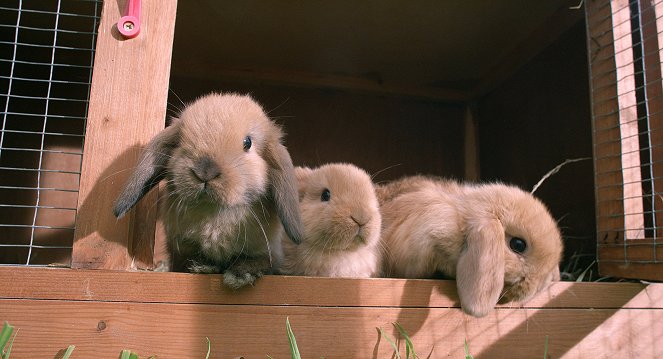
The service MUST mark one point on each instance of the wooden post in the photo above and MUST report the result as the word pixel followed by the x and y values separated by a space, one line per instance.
pixel 652 33
pixel 127 108
pixel 605 128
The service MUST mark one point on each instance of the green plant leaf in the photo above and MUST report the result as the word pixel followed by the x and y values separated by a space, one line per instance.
pixel 209 347
pixel 409 346
pixel 545 349
pixel 294 350
pixel 582 275
pixel 128 354
pixel 4 337
pixel 393 344
pixel 467 351
pixel 5 334
pixel 67 353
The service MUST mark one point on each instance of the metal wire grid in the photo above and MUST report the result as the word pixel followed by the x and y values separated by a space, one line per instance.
pixel 46 56
pixel 629 130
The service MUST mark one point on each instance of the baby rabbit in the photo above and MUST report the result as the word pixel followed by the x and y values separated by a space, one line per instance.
pixel 229 180
pixel 341 224
pixel 498 241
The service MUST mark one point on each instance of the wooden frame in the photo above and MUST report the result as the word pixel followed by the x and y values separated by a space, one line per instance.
pixel 127 108
pixel 170 314
pixel 626 236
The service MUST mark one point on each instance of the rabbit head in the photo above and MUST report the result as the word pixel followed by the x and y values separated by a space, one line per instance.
pixel 338 206
pixel 222 153
pixel 511 251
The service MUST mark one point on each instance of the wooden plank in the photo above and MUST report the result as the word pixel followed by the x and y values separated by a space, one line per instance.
pixel 628 120
pixel 652 12
pixel 102 330
pixel 605 123
pixel 127 108
pixel 325 81
pixel 648 271
pixel 156 287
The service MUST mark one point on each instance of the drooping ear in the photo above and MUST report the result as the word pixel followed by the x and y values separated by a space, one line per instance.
pixel 480 267
pixel 151 168
pixel 303 175
pixel 284 189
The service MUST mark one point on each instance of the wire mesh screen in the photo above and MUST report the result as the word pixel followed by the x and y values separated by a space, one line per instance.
pixel 625 41
pixel 46 55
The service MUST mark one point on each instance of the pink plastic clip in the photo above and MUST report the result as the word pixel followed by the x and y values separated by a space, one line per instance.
pixel 129 25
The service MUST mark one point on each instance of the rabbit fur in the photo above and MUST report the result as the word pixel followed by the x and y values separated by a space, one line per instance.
pixel 341 221
pixel 467 232
pixel 229 181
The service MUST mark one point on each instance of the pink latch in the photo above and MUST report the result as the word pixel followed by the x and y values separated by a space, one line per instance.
pixel 129 25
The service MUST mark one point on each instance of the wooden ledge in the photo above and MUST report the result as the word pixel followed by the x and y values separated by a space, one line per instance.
pixel 170 314
pixel 159 287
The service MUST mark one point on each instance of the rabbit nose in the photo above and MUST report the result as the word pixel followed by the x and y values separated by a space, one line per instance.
pixel 205 169
pixel 360 220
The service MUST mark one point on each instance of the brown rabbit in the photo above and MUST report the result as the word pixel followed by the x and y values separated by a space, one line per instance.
pixel 229 180
pixel 341 224
pixel 498 241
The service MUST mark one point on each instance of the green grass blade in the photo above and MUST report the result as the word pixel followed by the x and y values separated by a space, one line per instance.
pixel 209 347
pixel 393 344
pixel 126 354
pixel 67 353
pixel 545 349
pixel 582 275
pixel 5 353
pixel 5 334
pixel 409 346
pixel 467 351
pixel 294 350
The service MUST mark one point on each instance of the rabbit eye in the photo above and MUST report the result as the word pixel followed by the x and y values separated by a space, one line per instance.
pixel 517 245
pixel 326 195
pixel 247 143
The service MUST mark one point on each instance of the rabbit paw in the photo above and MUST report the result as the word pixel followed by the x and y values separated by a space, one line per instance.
pixel 245 272
pixel 195 267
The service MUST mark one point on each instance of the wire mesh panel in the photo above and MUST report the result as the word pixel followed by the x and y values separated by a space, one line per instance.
pixel 625 39
pixel 46 54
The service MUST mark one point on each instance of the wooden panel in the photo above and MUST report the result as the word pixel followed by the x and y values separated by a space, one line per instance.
pixel 155 287
pixel 127 108
pixel 605 122
pixel 543 36
pixel 628 120
pixel 650 271
pixel 652 34
pixel 102 330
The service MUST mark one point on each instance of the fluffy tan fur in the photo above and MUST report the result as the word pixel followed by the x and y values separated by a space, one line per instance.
pixel 341 236
pixel 463 231
pixel 223 223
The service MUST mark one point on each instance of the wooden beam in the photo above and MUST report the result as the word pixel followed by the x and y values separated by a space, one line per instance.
pixel 157 287
pixel 608 177
pixel 127 108
pixel 170 314
pixel 323 81
pixel 652 34
pixel 634 222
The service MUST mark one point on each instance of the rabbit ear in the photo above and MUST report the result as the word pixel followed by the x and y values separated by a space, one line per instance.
pixel 302 174
pixel 284 189
pixel 480 268
pixel 150 170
